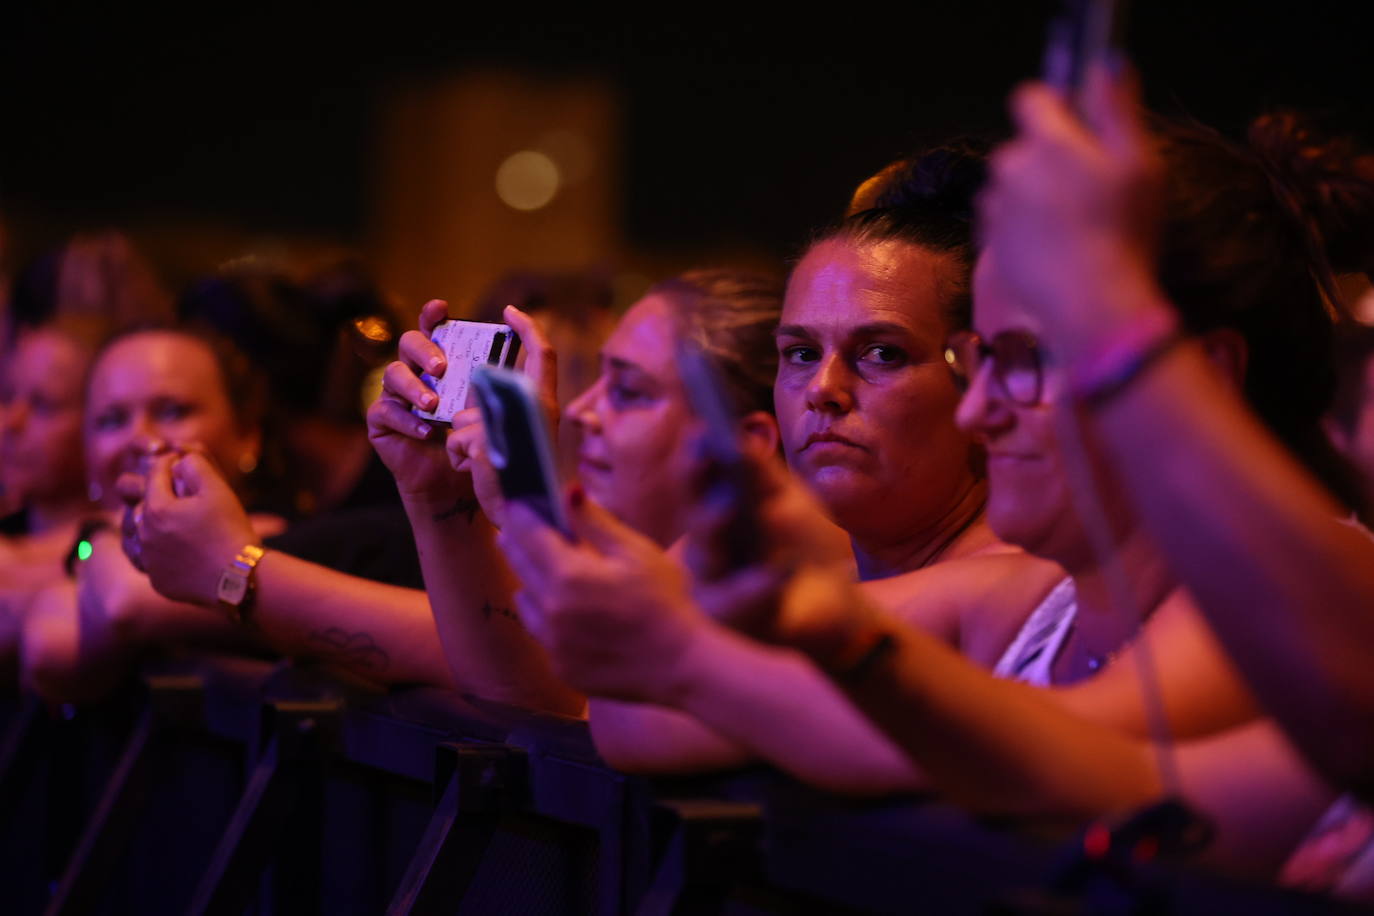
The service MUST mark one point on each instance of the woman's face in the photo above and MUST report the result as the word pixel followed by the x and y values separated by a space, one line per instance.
pixel 1029 501
pixel 633 424
pixel 863 395
pixel 40 425
pixel 159 388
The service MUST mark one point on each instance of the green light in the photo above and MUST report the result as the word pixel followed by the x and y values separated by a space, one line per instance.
pixel 83 550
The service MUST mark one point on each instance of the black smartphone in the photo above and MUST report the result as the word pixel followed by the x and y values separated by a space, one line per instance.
pixel 518 442
pixel 1083 32
pixel 466 345
pixel 729 478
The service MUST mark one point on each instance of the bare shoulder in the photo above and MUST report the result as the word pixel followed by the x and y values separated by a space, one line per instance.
pixel 970 601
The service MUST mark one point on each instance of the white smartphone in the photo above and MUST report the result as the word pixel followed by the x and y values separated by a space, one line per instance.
pixel 466 345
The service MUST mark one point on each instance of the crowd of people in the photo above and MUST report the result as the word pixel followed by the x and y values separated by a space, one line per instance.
pixel 1060 456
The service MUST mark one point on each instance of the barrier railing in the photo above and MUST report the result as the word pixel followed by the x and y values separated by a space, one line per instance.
pixel 229 785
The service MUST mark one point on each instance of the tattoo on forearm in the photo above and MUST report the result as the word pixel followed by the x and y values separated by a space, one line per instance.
pixel 465 506
pixel 488 609
pixel 356 650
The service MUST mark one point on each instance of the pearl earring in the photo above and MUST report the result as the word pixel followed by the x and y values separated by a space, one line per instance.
pixel 248 462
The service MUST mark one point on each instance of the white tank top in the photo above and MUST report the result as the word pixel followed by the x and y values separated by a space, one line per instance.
pixel 1031 654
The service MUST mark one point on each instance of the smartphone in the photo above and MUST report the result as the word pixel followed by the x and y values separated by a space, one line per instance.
pixel 518 442
pixel 1085 31
pixel 467 345
pixel 729 478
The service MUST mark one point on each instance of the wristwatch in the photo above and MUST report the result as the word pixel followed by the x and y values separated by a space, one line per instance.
pixel 237 584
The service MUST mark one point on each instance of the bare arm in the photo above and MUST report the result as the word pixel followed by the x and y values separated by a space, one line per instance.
pixel 1287 588
pixel 471 591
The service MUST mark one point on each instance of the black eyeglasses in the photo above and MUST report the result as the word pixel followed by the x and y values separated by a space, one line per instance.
pixel 1015 359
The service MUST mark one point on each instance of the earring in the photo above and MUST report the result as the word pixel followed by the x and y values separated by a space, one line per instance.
pixel 248 462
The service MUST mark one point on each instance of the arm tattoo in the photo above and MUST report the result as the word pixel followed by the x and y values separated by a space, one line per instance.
pixel 465 506
pixel 356 650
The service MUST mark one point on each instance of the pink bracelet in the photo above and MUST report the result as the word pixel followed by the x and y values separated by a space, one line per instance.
pixel 1133 350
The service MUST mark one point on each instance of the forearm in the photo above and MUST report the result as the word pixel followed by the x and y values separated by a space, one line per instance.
pixel 996 746
pixel 471 590
pixel 643 738
pixel 378 632
pixel 777 706
pixel 1287 589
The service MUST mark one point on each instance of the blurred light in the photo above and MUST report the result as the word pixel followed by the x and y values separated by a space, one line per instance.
pixel 527 180
pixel 83 550
pixel 374 328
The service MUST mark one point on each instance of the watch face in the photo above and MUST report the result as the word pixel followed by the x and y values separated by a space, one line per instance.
pixel 232 588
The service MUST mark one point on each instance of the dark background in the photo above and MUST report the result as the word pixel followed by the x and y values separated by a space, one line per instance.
pixel 734 130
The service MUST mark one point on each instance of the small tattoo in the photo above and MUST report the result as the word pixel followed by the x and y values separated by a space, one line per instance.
pixel 488 609
pixel 465 506
pixel 356 650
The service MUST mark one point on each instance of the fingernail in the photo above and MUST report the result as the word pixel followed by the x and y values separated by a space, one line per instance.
pixel 431 401
pixel 436 363
pixel 576 496
pixel 422 429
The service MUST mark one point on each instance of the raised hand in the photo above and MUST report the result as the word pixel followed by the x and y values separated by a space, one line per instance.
pixel 410 446
pixel 1071 212
pixel 467 442
pixel 190 525
pixel 611 608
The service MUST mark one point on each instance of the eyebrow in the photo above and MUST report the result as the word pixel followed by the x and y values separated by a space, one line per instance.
pixel 863 330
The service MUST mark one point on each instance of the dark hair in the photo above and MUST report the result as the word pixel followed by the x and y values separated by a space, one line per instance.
pixel 1326 182
pixel 927 200
pixel 731 316
pixel 307 338
pixel 1236 254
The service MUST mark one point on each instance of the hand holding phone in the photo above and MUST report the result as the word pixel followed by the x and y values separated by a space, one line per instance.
pixel 518 444
pixel 466 346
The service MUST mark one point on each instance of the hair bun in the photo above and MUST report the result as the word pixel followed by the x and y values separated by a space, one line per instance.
pixel 946 178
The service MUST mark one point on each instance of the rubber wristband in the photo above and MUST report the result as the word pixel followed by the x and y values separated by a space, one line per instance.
pixel 1125 359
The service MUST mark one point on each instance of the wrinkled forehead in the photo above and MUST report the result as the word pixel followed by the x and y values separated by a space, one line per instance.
pixel 842 283
pixel 997 304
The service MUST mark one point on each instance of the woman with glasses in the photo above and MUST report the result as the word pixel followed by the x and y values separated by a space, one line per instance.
pixel 1233 264
pixel 865 402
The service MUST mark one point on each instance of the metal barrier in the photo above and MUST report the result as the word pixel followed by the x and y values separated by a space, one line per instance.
pixel 229 785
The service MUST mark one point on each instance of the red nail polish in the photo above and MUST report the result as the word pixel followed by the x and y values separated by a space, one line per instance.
pixel 576 495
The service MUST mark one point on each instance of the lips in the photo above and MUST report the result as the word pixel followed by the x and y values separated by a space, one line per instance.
pixel 827 437
pixel 587 463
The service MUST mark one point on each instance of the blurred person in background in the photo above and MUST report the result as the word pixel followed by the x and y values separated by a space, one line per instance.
pixel 63 305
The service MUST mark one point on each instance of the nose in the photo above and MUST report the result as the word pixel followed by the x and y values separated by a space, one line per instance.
pixel 983 410
pixel 581 410
pixel 830 389
pixel 142 436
